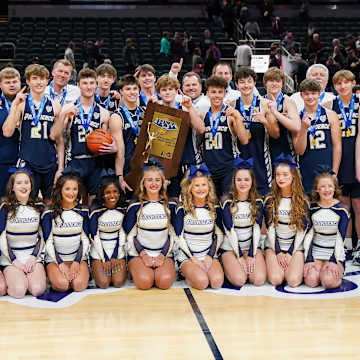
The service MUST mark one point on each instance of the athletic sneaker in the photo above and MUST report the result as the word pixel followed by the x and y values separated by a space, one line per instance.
pixel 356 259
pixel 349 254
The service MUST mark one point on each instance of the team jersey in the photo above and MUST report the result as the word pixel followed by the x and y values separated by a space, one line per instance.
pixel 191 154
pixel 346 174
pixel 107 102
pixel 66 236
pixel 241 234
pixel 219 150
pixel 21 235
pixel 147 228
pixel 9 146
pixel 36 147
pixel 143 99
pixel 257 148
pixel 284 237
pixel 318 149
pixel 77 145
pixel 325 240
pixel 130 132
pixel 284 143
pixel 107 233
pixel 198 235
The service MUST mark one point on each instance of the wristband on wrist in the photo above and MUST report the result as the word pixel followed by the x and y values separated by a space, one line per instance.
pixel 119 175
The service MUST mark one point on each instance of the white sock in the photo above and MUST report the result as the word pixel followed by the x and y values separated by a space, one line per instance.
pixel 348 243
pixel 262 241
pixel 358 245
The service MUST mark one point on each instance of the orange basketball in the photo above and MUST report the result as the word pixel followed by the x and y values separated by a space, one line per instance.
pixel 96 139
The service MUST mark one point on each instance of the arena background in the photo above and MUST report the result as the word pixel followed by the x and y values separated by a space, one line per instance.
pixel 230 323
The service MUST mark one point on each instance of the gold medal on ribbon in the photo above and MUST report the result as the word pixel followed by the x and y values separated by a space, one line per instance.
pixel 213 143
pixel 135 141
pixel 348 132
pixel 249 135
pixel 313 141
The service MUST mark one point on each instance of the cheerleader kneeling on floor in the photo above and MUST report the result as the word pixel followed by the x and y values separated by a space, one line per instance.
pixel 324 245
pixel 150 235
pixel 242 213
pixel 198 228
pixel 108 237
pixel 65 227
pixel 21 240
pixel 286 218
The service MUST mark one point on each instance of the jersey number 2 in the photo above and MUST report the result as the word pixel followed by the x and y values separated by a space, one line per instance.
pixel 209 145
pixel 36 132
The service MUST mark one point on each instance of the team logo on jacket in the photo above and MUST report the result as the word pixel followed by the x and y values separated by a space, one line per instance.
pixel 96 115
pixel 48 108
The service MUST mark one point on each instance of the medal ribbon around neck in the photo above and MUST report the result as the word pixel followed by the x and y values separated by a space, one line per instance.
pixel 214 126
pixel 278 99
pixel 6 102
pixel 52 93
pixel 134 127
pixel 85 123
pixel 98 99
pixel 36 116
pixel 347 116
pixel 243 112
pixel 321 98
pixel 311 128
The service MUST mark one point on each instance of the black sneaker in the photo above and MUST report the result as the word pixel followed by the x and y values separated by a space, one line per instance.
pixel 349 255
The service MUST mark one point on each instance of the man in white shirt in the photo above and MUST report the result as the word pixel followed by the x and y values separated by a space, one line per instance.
pixel 59 89
pixel 320 73
pixel 243 54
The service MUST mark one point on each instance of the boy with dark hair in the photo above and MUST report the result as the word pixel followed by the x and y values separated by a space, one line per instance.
pixel 125 125
pixel 259 125
pixel 222 126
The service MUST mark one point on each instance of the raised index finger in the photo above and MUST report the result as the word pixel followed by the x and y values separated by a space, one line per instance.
pixel 181 62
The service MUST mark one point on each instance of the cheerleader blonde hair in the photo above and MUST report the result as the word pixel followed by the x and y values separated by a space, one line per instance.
pixel 298 213
pixel 141 193
pixel 187 197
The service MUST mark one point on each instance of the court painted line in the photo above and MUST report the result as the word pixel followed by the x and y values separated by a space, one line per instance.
pixel 205 329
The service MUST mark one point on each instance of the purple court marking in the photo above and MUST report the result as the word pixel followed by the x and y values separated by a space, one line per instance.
pixel 228 285
pixel 352 273
pixel 54 296
pixel 345 286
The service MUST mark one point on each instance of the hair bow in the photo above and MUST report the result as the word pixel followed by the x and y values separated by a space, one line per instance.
pixel 285 159
pixel 153 162
pixel 202 168
pixel 321 169
pixel 13 169
pixel 240 163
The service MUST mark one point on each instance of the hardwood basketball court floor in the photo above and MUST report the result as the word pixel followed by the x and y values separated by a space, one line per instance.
pixel 182 323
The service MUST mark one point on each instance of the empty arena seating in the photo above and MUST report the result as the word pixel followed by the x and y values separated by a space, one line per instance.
pixel 47 38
